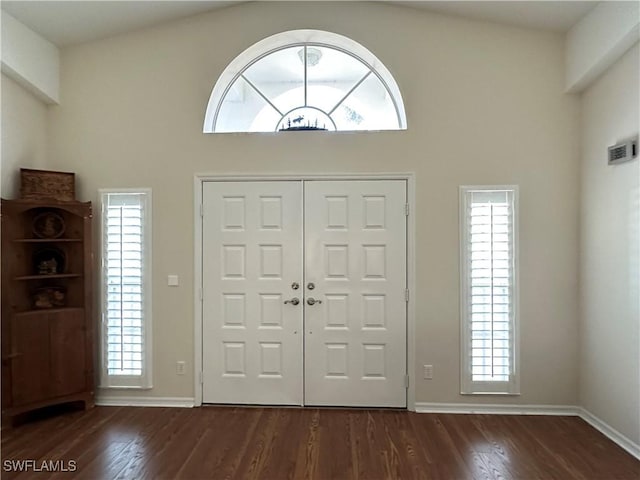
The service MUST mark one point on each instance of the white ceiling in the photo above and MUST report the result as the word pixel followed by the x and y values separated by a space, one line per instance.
pixel 70 22
pixel 558 16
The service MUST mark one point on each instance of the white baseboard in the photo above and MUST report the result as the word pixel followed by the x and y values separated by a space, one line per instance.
pixel 562 410
pixel 117 401
pixel 611 433
pixel 497 409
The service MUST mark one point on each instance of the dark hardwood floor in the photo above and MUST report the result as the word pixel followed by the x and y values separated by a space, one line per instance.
pixel 279 443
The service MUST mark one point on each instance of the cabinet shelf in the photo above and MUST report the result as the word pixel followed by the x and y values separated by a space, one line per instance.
pixel 46 240
pixel 43 277
pixel 46 311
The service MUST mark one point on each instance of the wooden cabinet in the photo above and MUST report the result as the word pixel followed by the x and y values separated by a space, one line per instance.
pixel 47 296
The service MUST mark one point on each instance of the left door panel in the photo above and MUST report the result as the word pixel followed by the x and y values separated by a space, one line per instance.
pixel 252 257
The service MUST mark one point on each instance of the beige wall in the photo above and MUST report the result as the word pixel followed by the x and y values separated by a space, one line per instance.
pixel 485 105
pixel 24 135
pixel 610 252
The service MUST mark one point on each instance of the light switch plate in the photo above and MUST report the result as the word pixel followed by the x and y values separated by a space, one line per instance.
pixel 172 280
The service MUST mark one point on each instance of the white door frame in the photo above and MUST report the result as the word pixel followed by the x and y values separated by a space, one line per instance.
pixel 199 179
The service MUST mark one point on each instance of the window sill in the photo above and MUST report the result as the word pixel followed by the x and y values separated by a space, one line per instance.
pixel 124 387
pixel 494 394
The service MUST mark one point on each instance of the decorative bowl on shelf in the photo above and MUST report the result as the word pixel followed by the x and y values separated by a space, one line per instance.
pixel 48 225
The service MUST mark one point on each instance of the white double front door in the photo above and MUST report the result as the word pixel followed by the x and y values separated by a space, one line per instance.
pixel 304 286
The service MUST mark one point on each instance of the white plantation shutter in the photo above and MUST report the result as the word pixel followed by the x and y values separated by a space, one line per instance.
pixel 488 290
pixel 126 289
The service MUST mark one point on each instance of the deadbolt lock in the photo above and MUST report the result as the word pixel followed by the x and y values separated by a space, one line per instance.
pixel 311 285
pixel 295 285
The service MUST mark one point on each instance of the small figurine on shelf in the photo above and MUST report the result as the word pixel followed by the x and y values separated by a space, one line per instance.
pixel 48 267
pixel 49 261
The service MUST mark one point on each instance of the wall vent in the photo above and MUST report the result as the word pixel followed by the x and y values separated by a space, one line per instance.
pixel 623 151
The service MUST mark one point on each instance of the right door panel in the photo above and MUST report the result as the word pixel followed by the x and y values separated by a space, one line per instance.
pixel 355 265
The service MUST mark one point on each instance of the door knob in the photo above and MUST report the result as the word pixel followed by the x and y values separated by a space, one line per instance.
pixel 293 301
pixel 313 301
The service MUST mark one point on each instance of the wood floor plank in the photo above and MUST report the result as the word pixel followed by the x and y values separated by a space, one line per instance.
pixel 316 444
pixel 544 446
pixel 49 432
pixel 409 462
pixel 255 451
pixel 49 439
pixel 283 451
pixel 505 447
pixel 239 440
pixel 424 463
pixel 442 453
pixel 367 450
pixel 146 452
pixel 334 431
pixel 470 443
pixel 592 448
pixel 208 452
pixel 307 460
pixel 91 452
pixel 169 460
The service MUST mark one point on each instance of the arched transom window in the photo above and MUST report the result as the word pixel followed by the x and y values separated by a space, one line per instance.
pixel 305 80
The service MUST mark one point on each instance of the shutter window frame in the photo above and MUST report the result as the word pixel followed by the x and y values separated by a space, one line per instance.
pixel 489 290
pixel 125 299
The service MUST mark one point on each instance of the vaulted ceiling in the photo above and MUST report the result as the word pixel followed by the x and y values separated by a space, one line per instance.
pixel 70 22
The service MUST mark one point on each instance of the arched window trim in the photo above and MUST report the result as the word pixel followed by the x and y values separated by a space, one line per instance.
pixel 300 38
